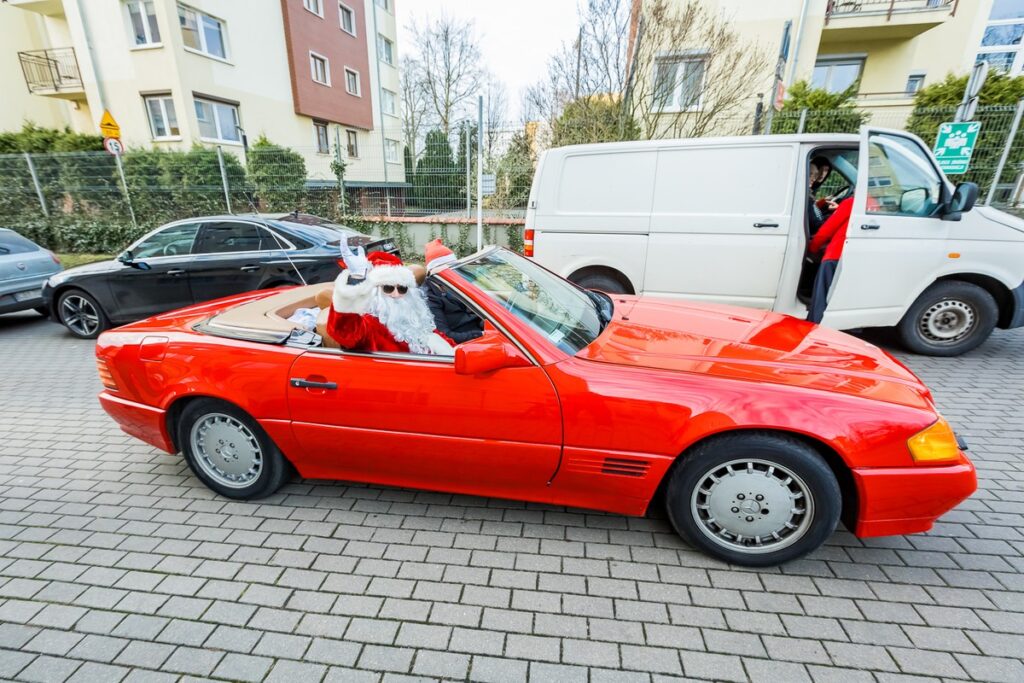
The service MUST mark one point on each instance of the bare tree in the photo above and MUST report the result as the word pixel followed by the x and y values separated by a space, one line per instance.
pixel 415 105
pixel 448 52
pixel 495 112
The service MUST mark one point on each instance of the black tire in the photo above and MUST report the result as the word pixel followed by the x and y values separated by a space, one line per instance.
pixel 600 282
pixel 714 523
pixel 81 314
pixel 948 319
pixel 216 425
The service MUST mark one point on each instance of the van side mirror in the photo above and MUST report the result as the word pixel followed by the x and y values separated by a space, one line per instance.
pixel 961 202
pixel 488 353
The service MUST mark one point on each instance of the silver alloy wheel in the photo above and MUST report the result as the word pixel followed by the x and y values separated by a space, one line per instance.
pixel 80 315
pixel 752 506
pixel 947 321
pixel 226 450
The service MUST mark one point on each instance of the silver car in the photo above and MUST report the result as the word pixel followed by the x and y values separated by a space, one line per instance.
pixel 24 267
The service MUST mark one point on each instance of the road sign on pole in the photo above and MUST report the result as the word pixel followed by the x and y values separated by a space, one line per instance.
pixel 965 112
pixel 108 126
pixel 488 184
pixel 114 146
pixel 955 145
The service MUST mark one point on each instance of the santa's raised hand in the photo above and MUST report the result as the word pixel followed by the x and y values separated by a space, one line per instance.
pixel 355 260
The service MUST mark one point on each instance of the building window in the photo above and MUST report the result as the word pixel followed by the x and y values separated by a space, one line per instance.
pixel 348 18
pixel 384 4
pixel 163 122
pixel 1001 42
pixel 392 151
pixel 323 145
pixel 385 50
pixel 352 142
pixel 142 19
pixel 914 83
pixel 351 81
pixel 678 82
pixel 218 121
pixel 201 32
pixel 1007 9
pixel 836 75
pixel 319 68
pixel 314 6
pixel 389 102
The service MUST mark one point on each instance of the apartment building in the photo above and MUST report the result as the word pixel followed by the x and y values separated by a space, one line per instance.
pixel 307 74
pixel 890 48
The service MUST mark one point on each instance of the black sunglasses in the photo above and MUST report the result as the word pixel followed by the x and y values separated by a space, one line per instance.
pixel 389 289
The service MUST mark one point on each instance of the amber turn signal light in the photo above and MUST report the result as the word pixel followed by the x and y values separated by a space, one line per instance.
pixel 106 378
pixel 936 444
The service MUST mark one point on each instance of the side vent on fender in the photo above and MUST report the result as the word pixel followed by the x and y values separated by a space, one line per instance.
pixel 624 467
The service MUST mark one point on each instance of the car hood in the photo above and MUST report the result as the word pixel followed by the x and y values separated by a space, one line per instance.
pixel 751 345
pixel 88 269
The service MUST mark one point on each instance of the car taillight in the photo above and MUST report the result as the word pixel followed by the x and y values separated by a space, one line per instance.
pixel 106 377
pixel 528 242
pixel 55 258
pixel 935 445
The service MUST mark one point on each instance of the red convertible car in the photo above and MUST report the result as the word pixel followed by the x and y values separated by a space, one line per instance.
pixel 759 431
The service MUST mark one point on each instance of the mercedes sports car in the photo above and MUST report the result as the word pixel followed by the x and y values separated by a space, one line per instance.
pixel 758 431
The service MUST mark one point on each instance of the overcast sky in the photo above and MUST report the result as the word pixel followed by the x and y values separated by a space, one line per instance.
pixel 517 36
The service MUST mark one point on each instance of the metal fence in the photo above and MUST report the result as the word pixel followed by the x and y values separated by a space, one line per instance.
pixel 91 201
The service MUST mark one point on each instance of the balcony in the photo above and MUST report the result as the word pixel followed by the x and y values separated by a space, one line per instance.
pixel 854 20
pixel 52 72
pixel 51 8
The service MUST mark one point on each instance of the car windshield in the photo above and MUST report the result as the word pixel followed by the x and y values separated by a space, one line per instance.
pixel 567 316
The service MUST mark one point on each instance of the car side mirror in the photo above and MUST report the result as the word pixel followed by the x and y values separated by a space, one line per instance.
pixel 961 202
pixel 125 257
pixel 488 353
pixel 912 201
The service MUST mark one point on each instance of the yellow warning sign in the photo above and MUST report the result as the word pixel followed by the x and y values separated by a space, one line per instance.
pixel 109 126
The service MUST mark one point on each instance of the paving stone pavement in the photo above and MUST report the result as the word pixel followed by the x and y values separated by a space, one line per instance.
pixel 117 564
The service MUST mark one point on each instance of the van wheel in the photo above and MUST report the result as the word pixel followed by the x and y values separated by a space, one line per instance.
pixel 598 281
pixel 948 319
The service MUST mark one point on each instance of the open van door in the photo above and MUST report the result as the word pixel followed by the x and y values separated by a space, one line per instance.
pixel 896 238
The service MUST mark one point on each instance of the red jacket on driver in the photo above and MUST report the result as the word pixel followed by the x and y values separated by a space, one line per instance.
pixel 832 235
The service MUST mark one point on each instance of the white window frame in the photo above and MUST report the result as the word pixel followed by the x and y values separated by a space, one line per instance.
pixel 1017 65
pixel 383 4
pixel 316 136
pixel 216 120
pixel 320 7
pixel 681 57
pixel 385 94
pixel 351 143
pixel 359 85
pixel 381 41
pixel 163 99
pixel 342 8
pixel 835 60
pixel 912 75
pixel 390 144
pixel 203 50
pixel 313 56
pixel 150 43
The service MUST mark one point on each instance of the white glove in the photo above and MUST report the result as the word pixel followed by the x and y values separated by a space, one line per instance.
pixel 355 260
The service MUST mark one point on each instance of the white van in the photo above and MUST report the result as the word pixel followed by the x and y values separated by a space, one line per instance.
pixel 726 220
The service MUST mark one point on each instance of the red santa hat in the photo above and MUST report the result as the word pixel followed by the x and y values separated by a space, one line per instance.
pixel 437 255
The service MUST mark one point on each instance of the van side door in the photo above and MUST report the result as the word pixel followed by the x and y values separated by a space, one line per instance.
pixel 896 239
pixel 720 222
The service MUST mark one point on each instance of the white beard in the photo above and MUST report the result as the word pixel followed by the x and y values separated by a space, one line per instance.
pixel 409 320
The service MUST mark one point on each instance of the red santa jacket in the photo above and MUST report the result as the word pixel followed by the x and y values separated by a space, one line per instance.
pixel 832 235
pixel 364 332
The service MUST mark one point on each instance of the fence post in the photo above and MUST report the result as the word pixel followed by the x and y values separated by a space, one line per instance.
pixel 469 165
pixel 803 120
pixel 479 172
pixel 124 184
pixel 224 178
pixel 1006 152
pixel 35 182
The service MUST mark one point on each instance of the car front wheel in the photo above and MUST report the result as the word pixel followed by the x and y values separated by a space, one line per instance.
pixel 81 314
pixel 754 499
pixel 229 451
pixel 948 319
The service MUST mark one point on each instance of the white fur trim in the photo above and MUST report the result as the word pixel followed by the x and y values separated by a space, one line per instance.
pixel 391 275
pixel 351 298
pixel 438 346
pixel 441 261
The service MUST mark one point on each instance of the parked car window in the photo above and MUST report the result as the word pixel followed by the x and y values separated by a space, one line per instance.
pixel 13 243
pixel 561 312
pixel 901 179
pixel 229 236
pixel 173 241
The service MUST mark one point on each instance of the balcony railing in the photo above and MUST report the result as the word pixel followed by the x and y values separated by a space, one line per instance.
pixel 886 8
pixel 51 71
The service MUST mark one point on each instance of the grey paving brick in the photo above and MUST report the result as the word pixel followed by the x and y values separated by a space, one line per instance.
pixel 372 631
pixel 557 673
pixel 334 652
pixel 767 671
pixel 385 658
pixel 149 655
pixel 477 641
pixel 495 670
pixel 652 659
pixel 927 662
pixel 238 667
pixel 46 669
pixel 443 665
pixel 713 666
pixel 282 646
pixel 98 648
pixel 94 672
pixel 53 642
pixel 285 671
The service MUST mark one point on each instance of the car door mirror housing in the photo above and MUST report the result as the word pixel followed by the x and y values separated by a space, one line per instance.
pixel 488 353
pixel 125 256
pixel 961 202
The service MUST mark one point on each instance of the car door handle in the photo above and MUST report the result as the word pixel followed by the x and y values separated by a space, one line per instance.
pixel 307 384
pixel 176 271
pixel 869 226
pixel 249 269
pixel 766 225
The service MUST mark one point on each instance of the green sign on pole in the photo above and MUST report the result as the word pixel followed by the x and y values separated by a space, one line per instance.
pixel 955 144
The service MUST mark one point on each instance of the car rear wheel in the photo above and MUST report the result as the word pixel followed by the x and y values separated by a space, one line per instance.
pixel 229 451
pixel 948 319
pixel 754 499
pixel 81 314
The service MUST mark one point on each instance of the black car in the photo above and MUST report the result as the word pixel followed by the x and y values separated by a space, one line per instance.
pixel 191 261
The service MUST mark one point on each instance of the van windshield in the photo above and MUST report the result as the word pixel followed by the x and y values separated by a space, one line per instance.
pixel 567 316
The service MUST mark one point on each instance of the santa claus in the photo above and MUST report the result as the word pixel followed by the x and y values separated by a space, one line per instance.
pixel 376 306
